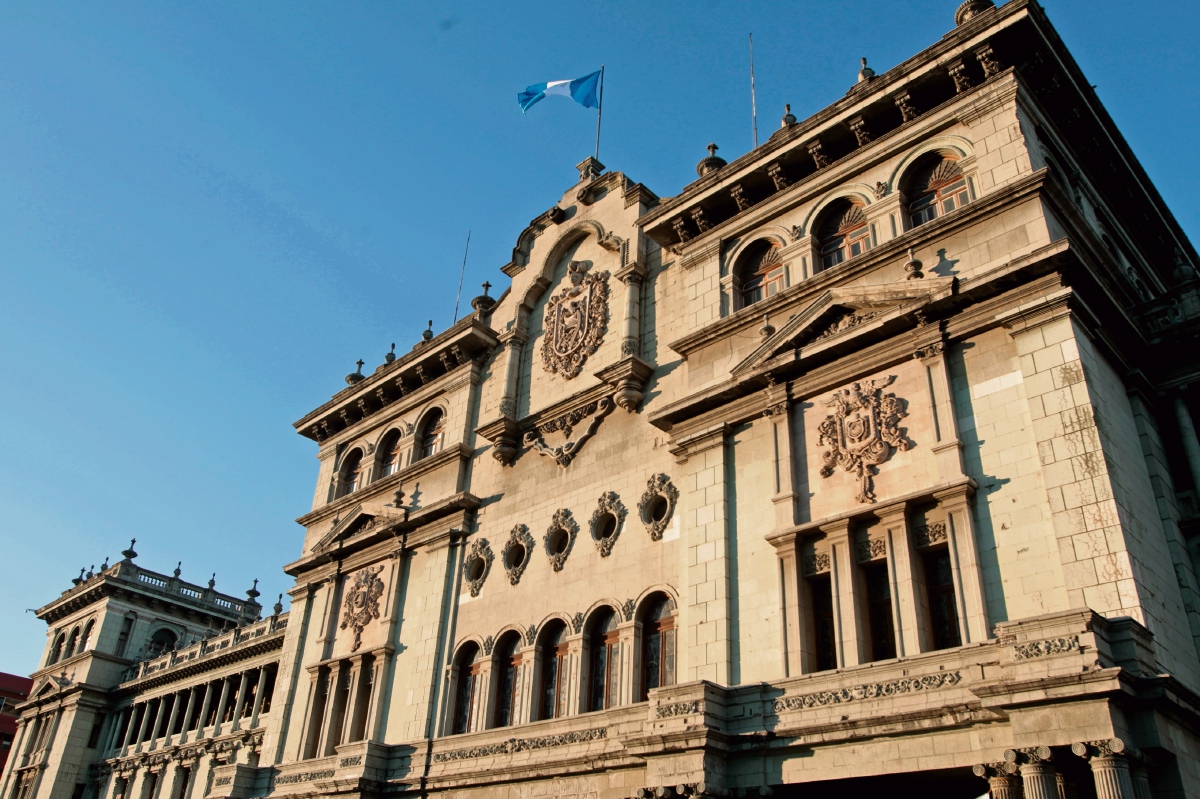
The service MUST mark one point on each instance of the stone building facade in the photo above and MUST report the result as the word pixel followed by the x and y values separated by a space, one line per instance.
pixel 866 464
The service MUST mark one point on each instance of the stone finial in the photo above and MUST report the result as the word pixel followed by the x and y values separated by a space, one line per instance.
pixel 253 592
pixel 212 581
pixel 91 572
pixel 1183 270
pixel 278 606
pixel 789 118
pixel 130 554
pixel 710 164
pixel 104 566
pixel 589 169
pixel 398 496
pixel 391 354
pixel 483 303
pixel 866 73
pixel 767 330
pixel 78 580
pixel 355 376
pixel 427 333
pixel 971 9
pixel 913 267
pixel 178 569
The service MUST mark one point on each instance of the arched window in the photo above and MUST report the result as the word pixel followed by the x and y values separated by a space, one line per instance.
pixel 844 233
pixel 389 458
pixel 86 641
pixel 56 649
pixel 604 660
pixel 508 680
pixel 351 475
pixel 937 188
pixel 162 641
pixel 466 689
pixel 658 644
pixel 760 272
pixel 433 428
pixel 72 642
pixel 552 695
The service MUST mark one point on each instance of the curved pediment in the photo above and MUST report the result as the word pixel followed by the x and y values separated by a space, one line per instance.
pixel 841 314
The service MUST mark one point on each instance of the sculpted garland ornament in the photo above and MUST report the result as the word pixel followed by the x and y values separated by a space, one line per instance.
pixel 477 565
pixel 861 431
pixel 575 321
pixel 361 604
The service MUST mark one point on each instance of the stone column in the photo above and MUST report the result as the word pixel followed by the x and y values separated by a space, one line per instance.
pixel 902 576
pixel 704 637
pixel 1141 780
pixel 221 706
pixel 779 412
pixel 188 715
pixel 351 712
pixel 630 658
pixel 1040 780
pixel 259 692
pixel 964 559
pixel 110 739
pixel 208 692
pixel 514 347
pixel 1190 441
pixel 176 701
pixel 240 705
pixel 790 585
pixel 1066 788
pixel 13 752
pixel 159 718
pixel 947 449
pixel 846 600
pixel 1110 767
pixel 1003 782
pixel 329 736
pixel 632 276
pixel 141 733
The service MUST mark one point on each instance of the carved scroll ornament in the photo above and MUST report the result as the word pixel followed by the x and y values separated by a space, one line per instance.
pixel 656 515
pixel 478 563
pixel 593 412
pixel 361 604
pixel 575 321
pixel 861 432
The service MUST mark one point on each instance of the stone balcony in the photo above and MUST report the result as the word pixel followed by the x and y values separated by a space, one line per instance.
pixel 205 650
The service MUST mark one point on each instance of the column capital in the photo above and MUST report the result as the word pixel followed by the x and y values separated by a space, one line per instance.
pixel 1111 747
pixel 632 273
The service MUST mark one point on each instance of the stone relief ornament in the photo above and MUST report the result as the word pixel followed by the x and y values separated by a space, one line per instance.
pixel 677 709
pixel 1050 646
pixel 531 635
pixel 816 564
pixel 560 538
pixel 870 548
pixel 577 622
pixel 477 565
pixel 594 412
pixel 847 321
pixel 514 745
pixel 657 505
pixel 861 431
pixel 926 535
pixel 575 321
pixel 609 505
pixel 874 690
pixel 361 604
pixel 516 553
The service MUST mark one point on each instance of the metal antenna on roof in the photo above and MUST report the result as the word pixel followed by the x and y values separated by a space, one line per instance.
pixel 462 272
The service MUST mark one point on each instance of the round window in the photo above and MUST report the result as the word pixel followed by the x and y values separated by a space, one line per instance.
pixel 606 527
pixel 559 540
pixel 515 556
pixel 475 569
pixel 657 510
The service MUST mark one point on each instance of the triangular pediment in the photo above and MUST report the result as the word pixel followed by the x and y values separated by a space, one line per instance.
pixel 50 685
pixel 843 313
pixel 361 518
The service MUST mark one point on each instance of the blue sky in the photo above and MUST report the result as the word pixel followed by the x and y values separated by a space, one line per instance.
pixel 209 211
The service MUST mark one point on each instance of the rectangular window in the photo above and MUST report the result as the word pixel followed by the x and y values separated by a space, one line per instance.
pixel 939 587
pixel 879 611
pixel 94 735
pixel 824 635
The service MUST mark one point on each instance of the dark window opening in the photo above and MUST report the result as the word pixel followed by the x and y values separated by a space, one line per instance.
pixel 604 670
pixel 939 586
pixel 824 637
pixel 879 611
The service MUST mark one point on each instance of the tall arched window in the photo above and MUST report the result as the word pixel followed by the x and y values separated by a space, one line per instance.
pixel 433 428
pixel 552 693
pixel 86 641
pixel 508 680
pixel 466 689
pixel 760 272
pixel 389 458
pixel 72 643
pixel 604 660
pixel 56 649
pixel 937 188
pixel 844 233
pixel 162 641
pixel 351 475
pixel 658 644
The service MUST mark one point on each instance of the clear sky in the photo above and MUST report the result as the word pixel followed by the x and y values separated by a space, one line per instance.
pixel 209 211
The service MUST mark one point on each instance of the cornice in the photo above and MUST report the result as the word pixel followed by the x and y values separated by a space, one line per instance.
pixel 205 663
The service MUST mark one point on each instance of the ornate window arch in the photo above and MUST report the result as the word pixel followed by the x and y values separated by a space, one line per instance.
pixel 553 659
pixel 842 233
pixel 604 658
pixel 56 649
pixel 758 273
pixel 161 641
pixel 390 454
pixel 72 643
pixel 85 640
pixel 659 646
pixel 431 433
pixel 507 663
pixel 350 475
pixel 466 687
pixel 934 186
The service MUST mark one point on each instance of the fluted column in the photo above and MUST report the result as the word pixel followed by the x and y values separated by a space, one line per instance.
pixel 1003 782
pixel 514 346
pixel 259 693
pixel 208 692
pixel 221 706
pixel 1141 781
pixel 1039 780
pixel 175 703
pixel 1110 767
pixel 1066 787
pixel 241 702
pixel 632 277
pixel 144 721
pixel 188 715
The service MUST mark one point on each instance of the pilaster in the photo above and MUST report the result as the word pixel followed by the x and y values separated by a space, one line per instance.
pixel 964 559
pixel 847 616
pixel 901 575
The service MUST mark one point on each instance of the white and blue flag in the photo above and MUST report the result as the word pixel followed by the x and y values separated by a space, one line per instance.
pixel 581 90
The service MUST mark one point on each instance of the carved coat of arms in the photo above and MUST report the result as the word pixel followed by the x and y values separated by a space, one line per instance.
pixel 575 321
pixel 361 603
pixel 861 431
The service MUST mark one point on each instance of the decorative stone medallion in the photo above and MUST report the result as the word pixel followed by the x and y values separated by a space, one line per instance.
pixel 560 538
pixel 477 565
pixel 861 431
pixel 607 520
pixel 657 505
pixel 516 553
pixel 361 603
pixel 575 321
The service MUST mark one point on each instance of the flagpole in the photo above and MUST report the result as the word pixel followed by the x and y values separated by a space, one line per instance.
pixel 753 107
pixel 599 112
pixel 461 272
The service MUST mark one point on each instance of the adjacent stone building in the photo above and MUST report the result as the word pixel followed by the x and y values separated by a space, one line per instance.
pixel 863 466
